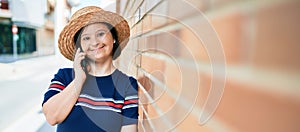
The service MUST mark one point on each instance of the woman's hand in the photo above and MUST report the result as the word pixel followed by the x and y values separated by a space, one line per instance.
pixel 59 106
pixel 80 74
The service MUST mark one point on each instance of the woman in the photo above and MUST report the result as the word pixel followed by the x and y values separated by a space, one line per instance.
pixel 93 95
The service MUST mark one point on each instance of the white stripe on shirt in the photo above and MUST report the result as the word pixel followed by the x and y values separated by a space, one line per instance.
pixel 57 82
pixel 55 89
pixel 101 99
pixel 130 106
pixel 131 97
pixel 97 107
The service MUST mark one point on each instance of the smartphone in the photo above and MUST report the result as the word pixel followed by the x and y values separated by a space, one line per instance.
pixel 84 61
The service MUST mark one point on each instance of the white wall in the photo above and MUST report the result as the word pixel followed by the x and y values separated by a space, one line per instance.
pixel 109 5
pixel 31 12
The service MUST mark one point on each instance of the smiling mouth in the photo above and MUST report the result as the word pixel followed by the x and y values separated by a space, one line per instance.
pixel 99 48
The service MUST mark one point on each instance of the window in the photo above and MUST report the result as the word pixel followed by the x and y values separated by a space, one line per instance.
pixel 4 4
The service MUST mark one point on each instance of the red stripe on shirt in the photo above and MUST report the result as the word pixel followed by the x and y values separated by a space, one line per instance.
pixel 134 101
pixel 57 86
pixel 100 102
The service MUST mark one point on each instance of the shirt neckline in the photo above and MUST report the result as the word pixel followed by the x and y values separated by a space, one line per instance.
pixel 105 76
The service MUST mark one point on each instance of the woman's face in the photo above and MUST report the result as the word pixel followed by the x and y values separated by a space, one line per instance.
pixel 97 41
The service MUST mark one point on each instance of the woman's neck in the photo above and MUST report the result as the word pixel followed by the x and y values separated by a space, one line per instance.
pixel 102 68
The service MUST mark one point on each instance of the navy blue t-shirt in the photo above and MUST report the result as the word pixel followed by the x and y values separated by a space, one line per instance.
pixel 105 103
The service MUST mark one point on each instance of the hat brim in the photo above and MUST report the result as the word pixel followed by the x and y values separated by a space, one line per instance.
pixel 66 38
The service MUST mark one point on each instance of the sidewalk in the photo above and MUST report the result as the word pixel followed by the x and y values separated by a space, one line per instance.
pixel 23 67
pixel 22 85
pixel 9 58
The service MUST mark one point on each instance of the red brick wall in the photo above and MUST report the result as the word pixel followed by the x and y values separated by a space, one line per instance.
pixel 235 60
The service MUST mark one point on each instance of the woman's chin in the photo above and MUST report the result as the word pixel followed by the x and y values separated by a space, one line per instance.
pixel 99 57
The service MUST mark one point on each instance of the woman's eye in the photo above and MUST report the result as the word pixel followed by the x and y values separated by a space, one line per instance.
pixel 85 38
pixel 101 34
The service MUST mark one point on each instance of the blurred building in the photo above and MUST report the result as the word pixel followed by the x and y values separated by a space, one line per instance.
pixel 35 27
pixel 6 26
pixel 215 65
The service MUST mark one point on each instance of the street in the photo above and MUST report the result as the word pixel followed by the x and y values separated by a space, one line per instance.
pixel 22 85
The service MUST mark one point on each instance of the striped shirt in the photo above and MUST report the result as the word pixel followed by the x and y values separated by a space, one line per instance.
pixel 105 103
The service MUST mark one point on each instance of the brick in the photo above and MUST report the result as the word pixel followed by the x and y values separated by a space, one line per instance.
pixel 245 108
pixel 157 20
pixel 147 23
pixel 129 58
pixel 191 124
pixel 229 29
pixel 177 76
pixel 167 72
pixel 135 6
pixel 150 64
pixel 172 106
pixel 146 82
pixel 150 4
pixel 277 36
pixel 174 12
pixel 169 43
pixel 145 124
pixel 127 8
pixel 199 4
pixel 164 102
pixel 167 104
pixel 139 28
pixel 143 9
pixel 173 77
pixel 132 29
pixel 148 43
pixel 152 112
pixel 193 46
pixel 204 88
pixel 220 3
pixel 159 15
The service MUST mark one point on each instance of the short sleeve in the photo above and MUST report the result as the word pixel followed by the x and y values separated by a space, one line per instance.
pixel 130 108
pixel 57 84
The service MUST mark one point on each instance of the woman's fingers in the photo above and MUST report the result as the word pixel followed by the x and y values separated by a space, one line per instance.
pixel 79 55
pixel 78 58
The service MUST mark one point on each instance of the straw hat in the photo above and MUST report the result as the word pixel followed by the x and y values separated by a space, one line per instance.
pixel 89 15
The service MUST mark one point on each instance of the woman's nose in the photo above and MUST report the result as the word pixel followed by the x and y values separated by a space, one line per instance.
pixel 96 41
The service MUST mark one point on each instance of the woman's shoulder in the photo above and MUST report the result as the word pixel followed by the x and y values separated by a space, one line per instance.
pixel 65 73
pixel 124 75
pixel 125 79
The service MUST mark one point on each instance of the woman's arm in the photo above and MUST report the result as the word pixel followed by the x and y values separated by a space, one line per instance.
pixel 129 128
pixel 58 107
